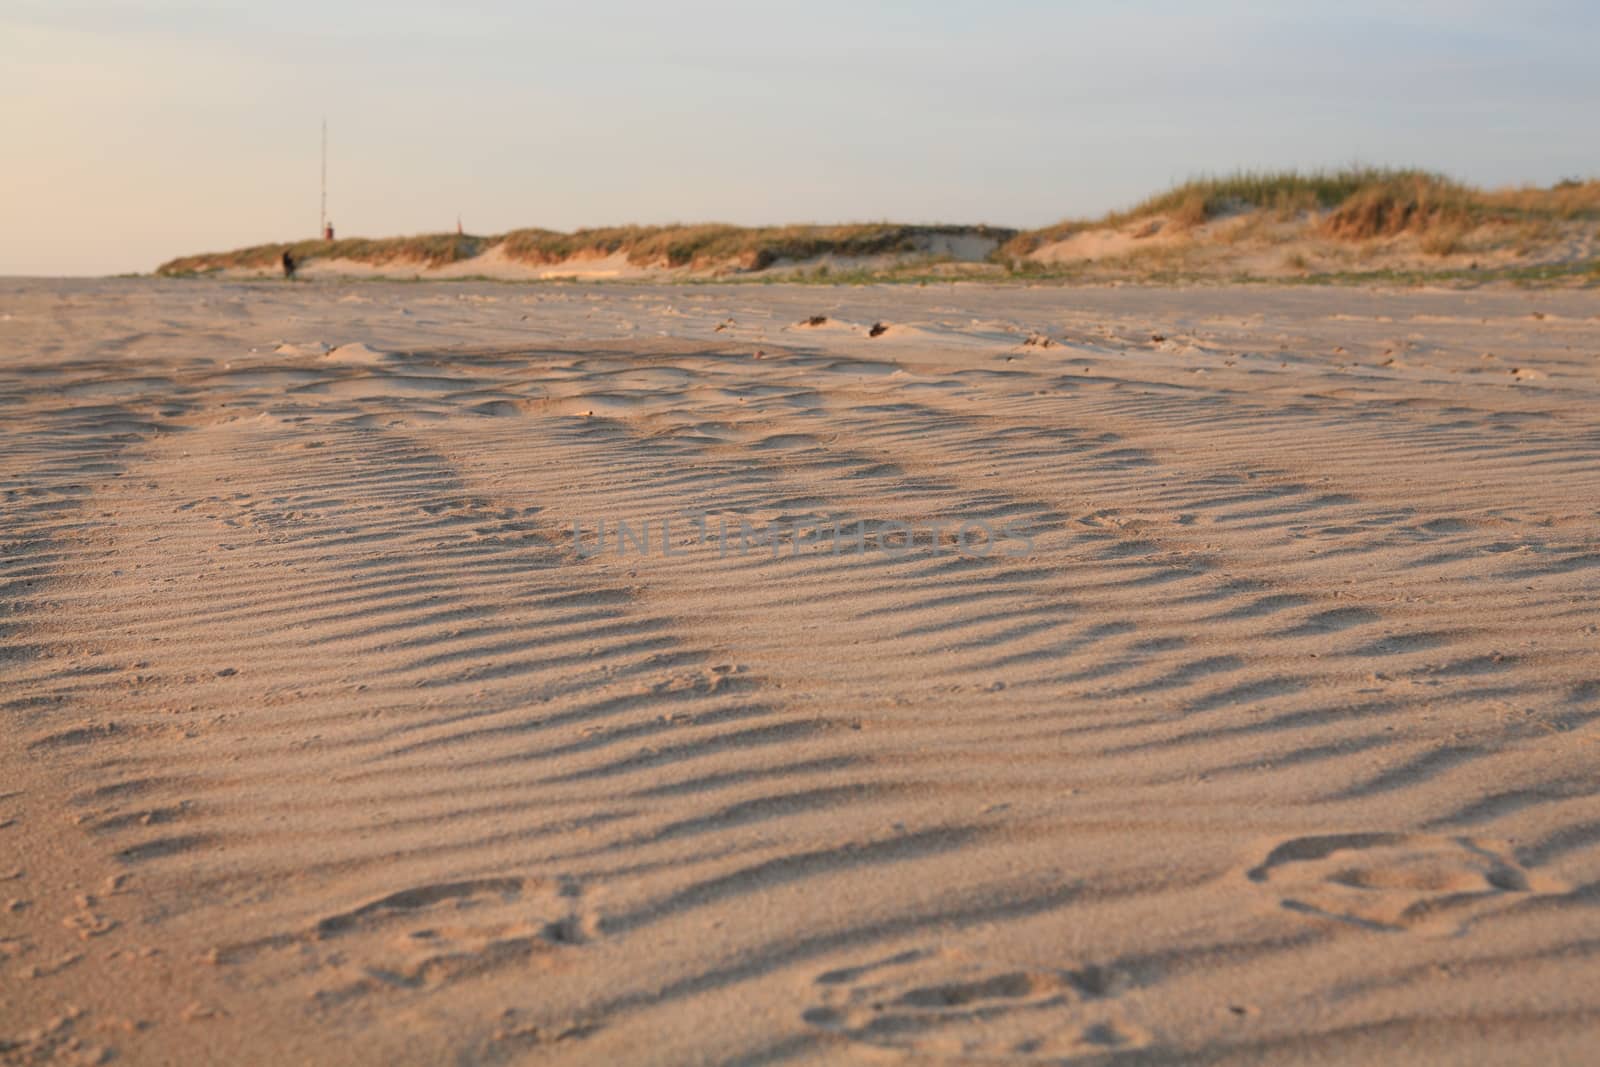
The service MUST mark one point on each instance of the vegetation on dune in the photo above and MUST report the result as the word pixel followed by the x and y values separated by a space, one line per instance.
pixel 433 250
pixel 1282 191
pixel 699 245
pixel 1569 199
pixel 1353 204
pixel 715 244
pixel 1402 203
pixel 1357 208
pixel 1201 199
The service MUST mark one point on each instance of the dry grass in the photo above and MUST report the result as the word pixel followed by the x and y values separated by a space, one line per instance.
pixel 715 244
pixel 1281 193
pixel 1408 203
pixel 1360 207
pixel 1255 227
pixel 1444 240
pixel 1190 212
pixel 1355 204
pixel 431 250
pixel 1569 199
pixel 1284 193
pixel 695 246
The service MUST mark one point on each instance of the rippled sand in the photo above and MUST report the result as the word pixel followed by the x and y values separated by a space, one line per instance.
pixel 1270 737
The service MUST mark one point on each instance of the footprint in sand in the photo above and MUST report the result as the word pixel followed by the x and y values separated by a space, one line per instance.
pixel 948 1005
pixel 426 936
pixel 1386 881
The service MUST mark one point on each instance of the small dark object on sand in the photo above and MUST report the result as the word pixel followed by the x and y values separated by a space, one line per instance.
pixel 815 320
pixel 289 264
pixel 878 330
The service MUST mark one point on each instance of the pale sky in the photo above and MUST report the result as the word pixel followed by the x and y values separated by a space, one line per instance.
pixel 137 130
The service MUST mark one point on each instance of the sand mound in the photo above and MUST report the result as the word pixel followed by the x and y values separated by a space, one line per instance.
pixel 359 353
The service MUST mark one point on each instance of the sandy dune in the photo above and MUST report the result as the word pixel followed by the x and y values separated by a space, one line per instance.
pixel 1269 737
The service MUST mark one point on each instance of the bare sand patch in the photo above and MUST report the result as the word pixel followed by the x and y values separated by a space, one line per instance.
pixel 1264 730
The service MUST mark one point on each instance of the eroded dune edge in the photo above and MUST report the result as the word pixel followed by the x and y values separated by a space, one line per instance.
pixel 325 741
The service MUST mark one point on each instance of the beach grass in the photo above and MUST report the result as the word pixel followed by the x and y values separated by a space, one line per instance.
pixel 1352 207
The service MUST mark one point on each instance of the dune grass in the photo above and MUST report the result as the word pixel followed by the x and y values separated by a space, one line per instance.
pixel 1202 199
pixel 433 250
pixel 748 248
pixel 1352 205
pixel 1284 191
pixel 697 245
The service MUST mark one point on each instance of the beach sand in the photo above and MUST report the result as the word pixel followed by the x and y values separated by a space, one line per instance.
pixel 1266 731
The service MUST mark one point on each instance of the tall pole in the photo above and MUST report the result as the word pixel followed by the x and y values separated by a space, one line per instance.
pixel 322 219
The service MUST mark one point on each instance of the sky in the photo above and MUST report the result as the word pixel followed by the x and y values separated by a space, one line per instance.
pixel 132 131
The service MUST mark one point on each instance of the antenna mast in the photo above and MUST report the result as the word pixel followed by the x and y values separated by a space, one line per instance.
pixel 322 219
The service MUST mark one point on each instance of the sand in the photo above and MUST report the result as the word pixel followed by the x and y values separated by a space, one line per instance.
pixel 1265 732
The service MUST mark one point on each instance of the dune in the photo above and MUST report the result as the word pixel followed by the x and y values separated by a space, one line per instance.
pixel 1358 224
pixel 1215 678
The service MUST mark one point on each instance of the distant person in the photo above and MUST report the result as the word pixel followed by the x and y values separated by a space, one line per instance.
pixel 289 264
